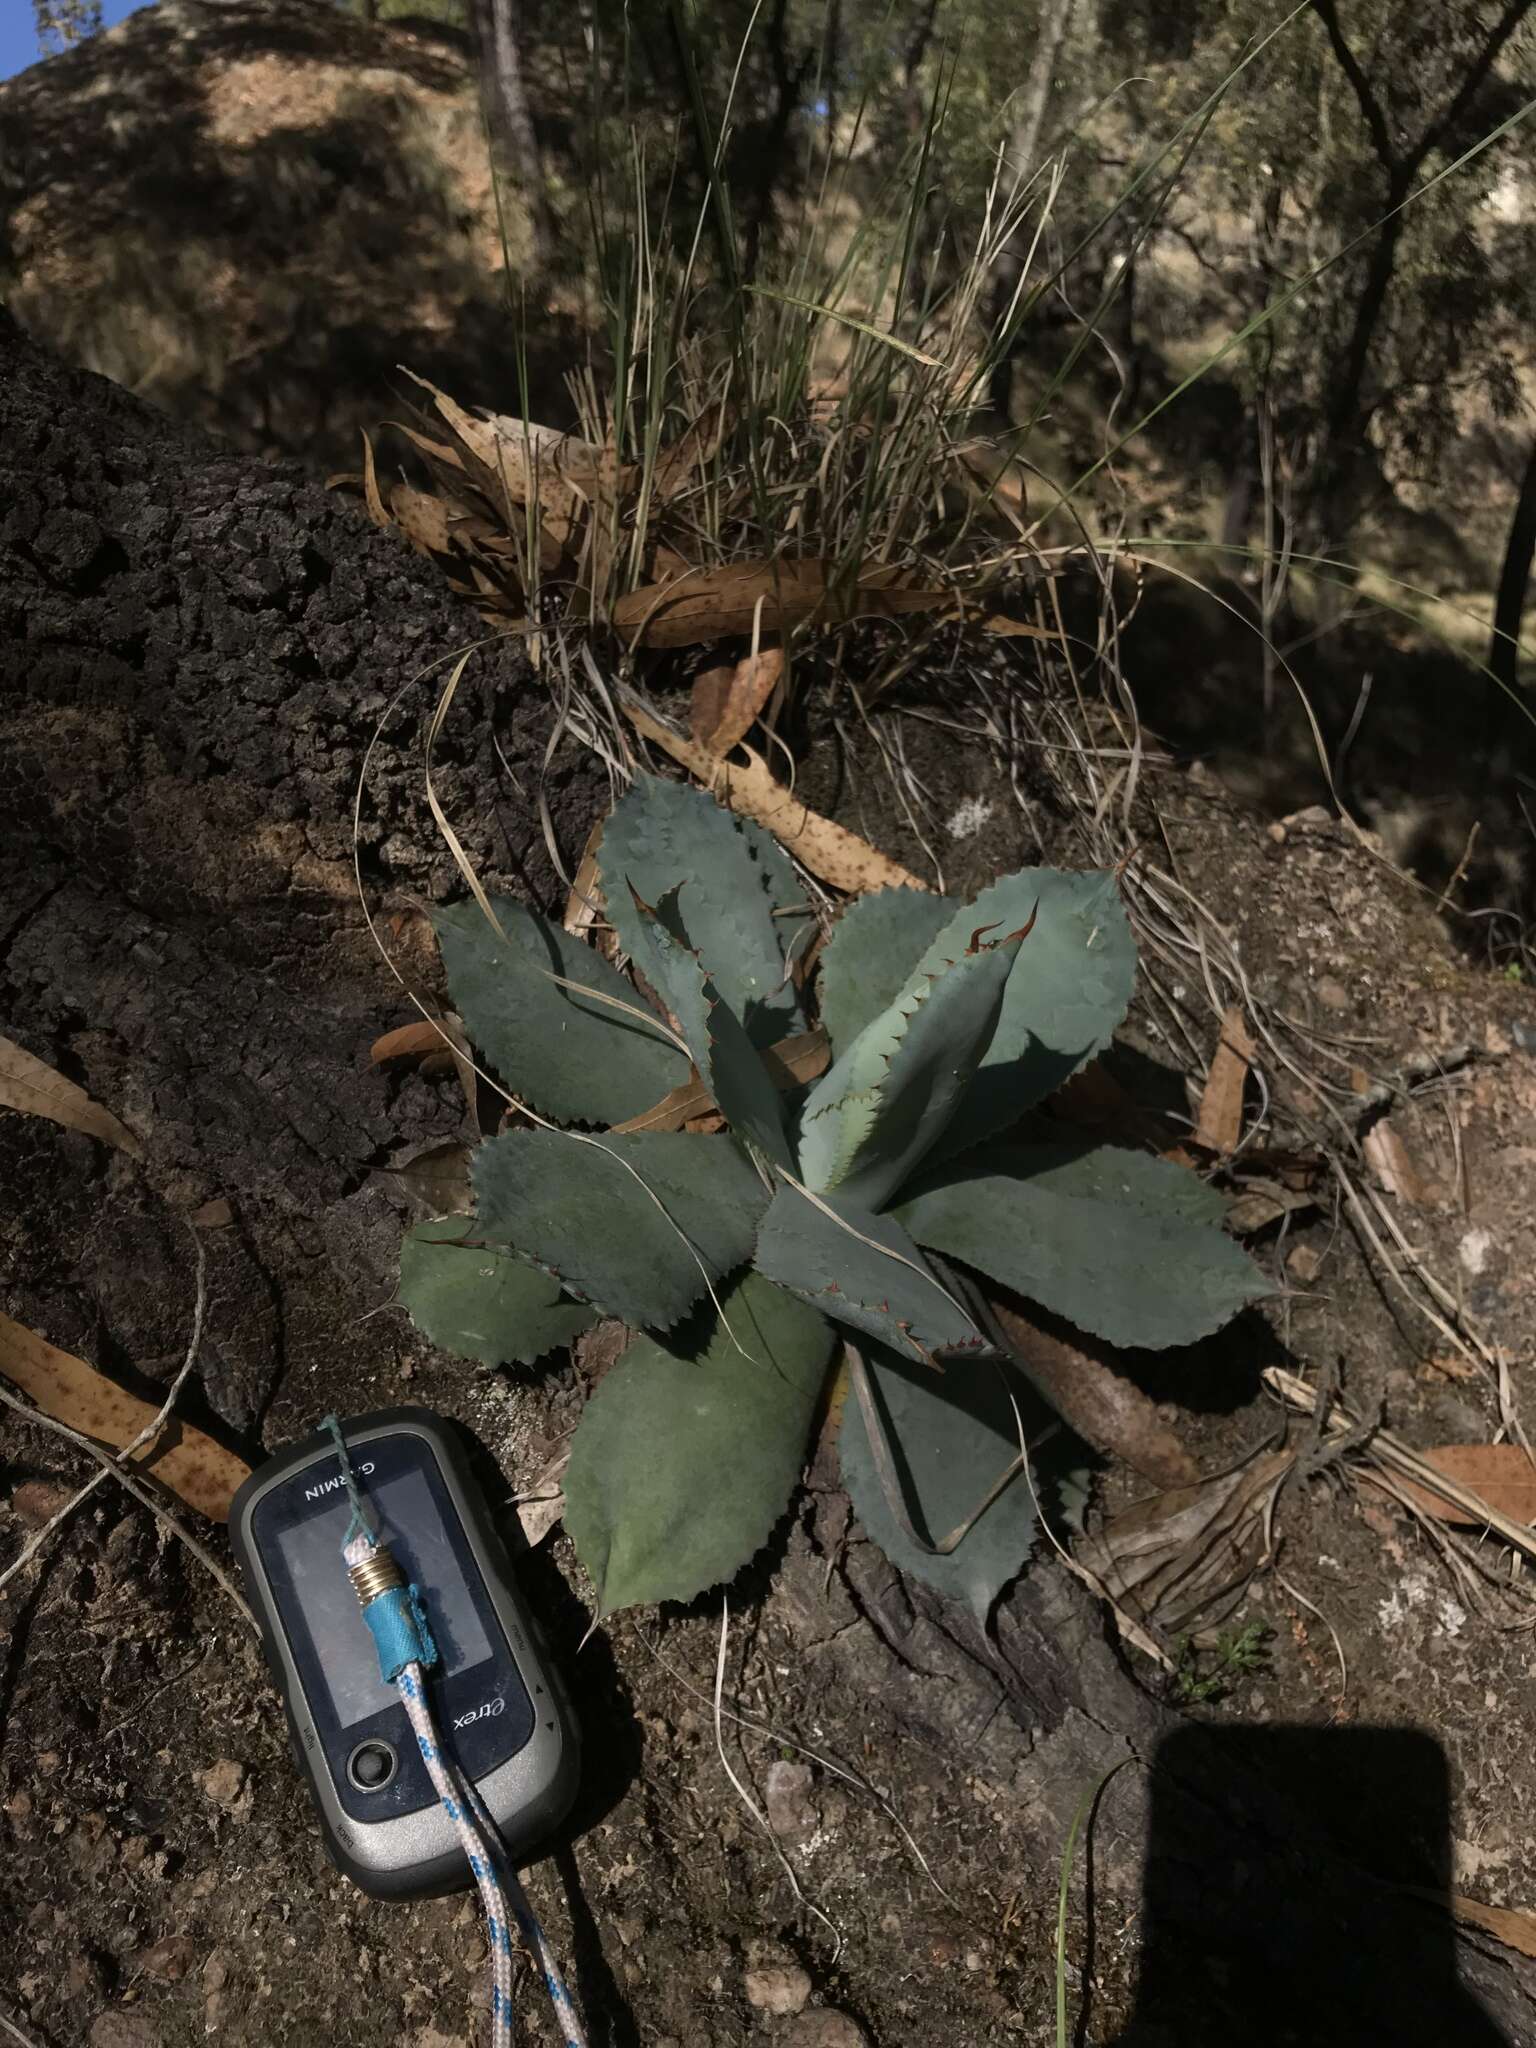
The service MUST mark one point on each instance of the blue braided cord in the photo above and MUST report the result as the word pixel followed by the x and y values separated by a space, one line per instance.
pixel 362 1522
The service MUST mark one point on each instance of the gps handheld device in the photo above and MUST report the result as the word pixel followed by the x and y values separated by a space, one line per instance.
pixel 498 1704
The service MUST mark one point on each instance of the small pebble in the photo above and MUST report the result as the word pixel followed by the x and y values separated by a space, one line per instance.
pixel 778 1991
pixel 825 2029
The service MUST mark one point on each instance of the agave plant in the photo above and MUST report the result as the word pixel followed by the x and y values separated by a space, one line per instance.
pixel 817 1210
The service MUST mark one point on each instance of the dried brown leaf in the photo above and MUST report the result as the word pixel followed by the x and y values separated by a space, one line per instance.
pixel 1175 1558
pixel 728 701
pixel 585 899
pixel 790 1063
pixel 215 1215
pixel 36 1089
pixel 421 517
pixel 829 850
pixel 1500 1474
pixel 371 498
pixel 1219 1126
pixel 1262 1201
pixel 1103 1406
pixel 192 1465
pixel 406 1042
pixel 436 1181
pixel 1394 1167
pixel 714 603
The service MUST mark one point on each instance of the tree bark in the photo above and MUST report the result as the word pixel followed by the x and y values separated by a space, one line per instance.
pixel 195 649
pixel 1514 582
pixel 505 94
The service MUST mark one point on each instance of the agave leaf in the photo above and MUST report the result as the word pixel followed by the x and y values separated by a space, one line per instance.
pixel 574 1058
pixel 732 875
pixel 481 1301
pixel 949 1438
pixel 684 1460
pixel 1124 1245
pixel 723 1053
pixel 1069 988
pixel 873 949
pixel 874 1116
pixel 637 1224
pixel 882 1287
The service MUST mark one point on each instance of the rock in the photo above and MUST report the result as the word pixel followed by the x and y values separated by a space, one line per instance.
pixel 781 1991
pixel 221 1990
pixel 788 1798
pixel 825 2028
pixel 123 2030
pixel 168 1959
pixel 227 1784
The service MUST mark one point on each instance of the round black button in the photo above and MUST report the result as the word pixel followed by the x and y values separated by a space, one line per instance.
pixel 371 1766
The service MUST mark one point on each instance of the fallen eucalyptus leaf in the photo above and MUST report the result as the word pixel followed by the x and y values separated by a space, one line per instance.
pixel 829 850
pixel 191 1464
pixel 739 597
pixel 36 1089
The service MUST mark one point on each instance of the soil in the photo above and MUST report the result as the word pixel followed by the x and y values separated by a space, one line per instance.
pixel 195 652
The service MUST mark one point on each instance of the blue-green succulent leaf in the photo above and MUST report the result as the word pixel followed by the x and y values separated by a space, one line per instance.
pixel 874 947
pixel 878 1111
pixel 738 894
pixel 575 1058
pixel 728 1062
pixel 481 1301
pixel 1070 987
pixel 1123 1245
pixel 862 1270
pixel 951 1437
pixel 684 1460
pixel 635 1223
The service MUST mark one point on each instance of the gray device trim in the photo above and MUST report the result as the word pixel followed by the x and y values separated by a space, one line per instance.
pixel 418 1855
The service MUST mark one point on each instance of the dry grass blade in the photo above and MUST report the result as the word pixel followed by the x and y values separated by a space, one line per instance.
pixel 830 851
pixel 715 603
pixel 36 1089
pixel 678 464
pixel 64 1387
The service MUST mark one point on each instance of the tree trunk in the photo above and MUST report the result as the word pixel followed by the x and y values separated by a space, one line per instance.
pixel 505 94
pixel 1514 581
pixel 1023 155
pixel 1345 447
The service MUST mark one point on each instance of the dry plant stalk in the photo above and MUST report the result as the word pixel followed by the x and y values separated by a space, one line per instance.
pixel 1403 1462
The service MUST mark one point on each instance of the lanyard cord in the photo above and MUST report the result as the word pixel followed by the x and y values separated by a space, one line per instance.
pixel 398 1623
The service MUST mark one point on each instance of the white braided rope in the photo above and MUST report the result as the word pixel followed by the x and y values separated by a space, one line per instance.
pixel 488 1862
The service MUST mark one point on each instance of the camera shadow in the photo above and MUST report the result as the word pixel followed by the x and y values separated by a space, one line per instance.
pixel 1283 1894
